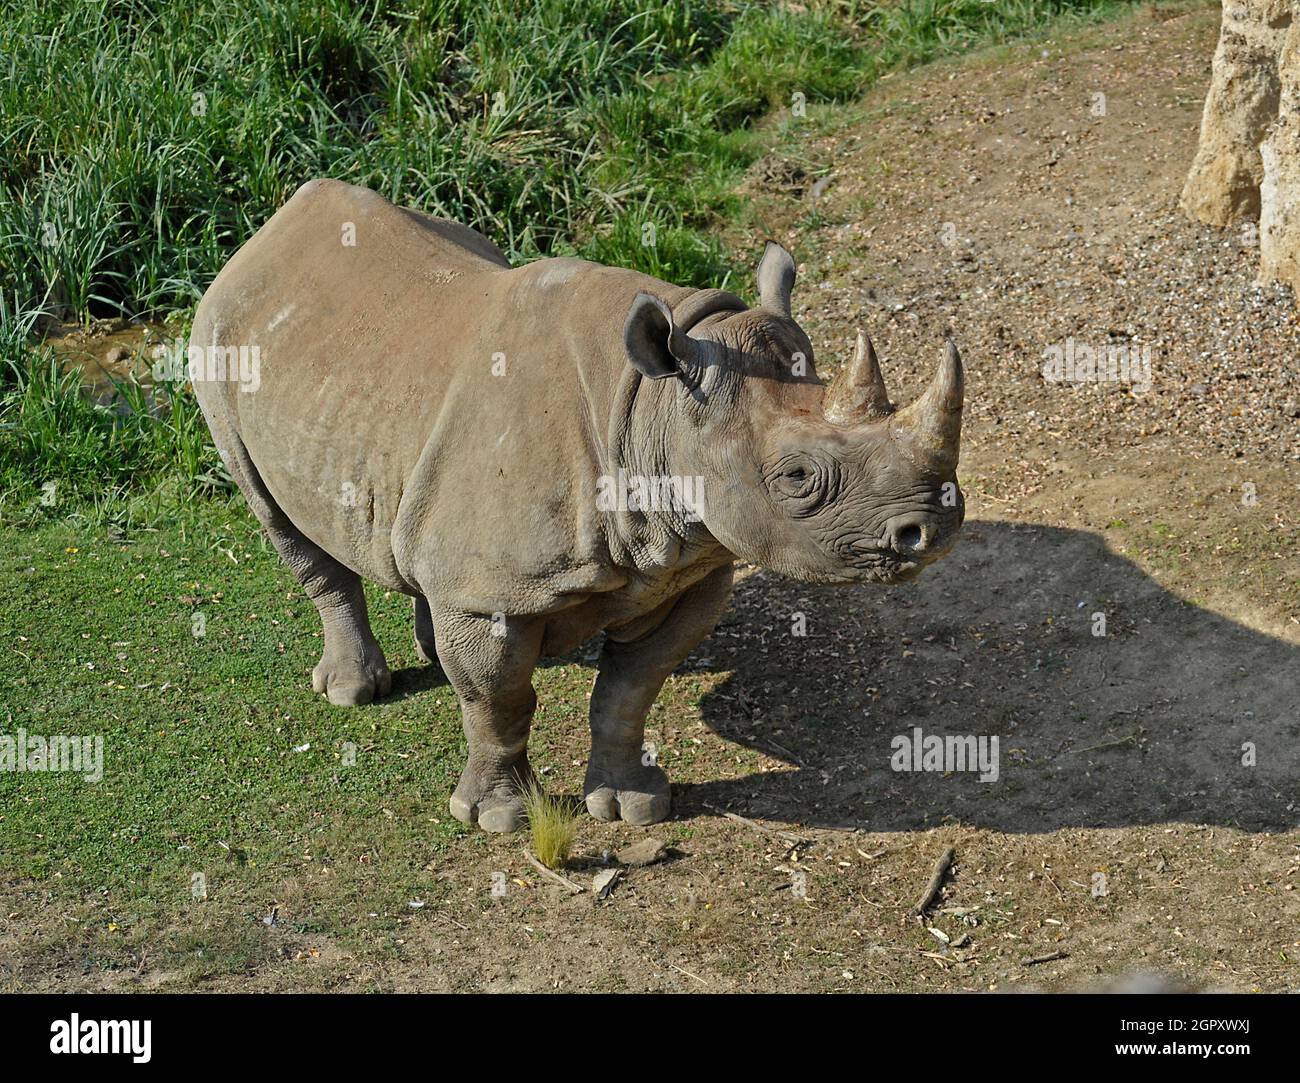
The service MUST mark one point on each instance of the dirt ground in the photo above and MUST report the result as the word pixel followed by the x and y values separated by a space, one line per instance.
pixel 1124 833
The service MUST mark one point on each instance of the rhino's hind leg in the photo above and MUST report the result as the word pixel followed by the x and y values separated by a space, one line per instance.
pixel 425 646
pixel 352 669
pixel 490 665
pixel 624 781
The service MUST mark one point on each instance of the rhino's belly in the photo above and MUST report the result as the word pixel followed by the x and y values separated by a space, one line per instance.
pixel 633 610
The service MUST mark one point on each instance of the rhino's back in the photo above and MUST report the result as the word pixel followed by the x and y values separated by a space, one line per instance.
pixel 338 263
pixel 354 310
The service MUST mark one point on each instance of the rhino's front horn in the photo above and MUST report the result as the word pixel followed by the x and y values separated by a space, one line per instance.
pixel 934 420
pixel 858 392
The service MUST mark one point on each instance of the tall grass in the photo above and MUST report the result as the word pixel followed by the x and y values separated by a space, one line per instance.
pixel 149 139
pixel 553 823
pixel 145 140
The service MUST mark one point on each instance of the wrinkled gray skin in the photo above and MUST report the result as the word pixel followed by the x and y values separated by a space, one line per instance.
pixel 436 422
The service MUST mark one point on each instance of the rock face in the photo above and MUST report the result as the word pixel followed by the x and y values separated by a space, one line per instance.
pixel 1245 89
pixel 1247 165
pixel 1279 221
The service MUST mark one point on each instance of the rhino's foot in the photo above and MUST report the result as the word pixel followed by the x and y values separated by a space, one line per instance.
pixel 350 682
pixel 641 795
pixel 492 799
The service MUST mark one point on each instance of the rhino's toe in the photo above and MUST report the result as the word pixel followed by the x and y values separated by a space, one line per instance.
pixel 489 796
pixel 496 813
pixel 350 683
pixel 426 651
pixel 645 800
pixel 350 693
pixel 630 806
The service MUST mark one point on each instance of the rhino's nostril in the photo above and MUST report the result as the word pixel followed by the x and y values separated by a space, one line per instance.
pixel 909 537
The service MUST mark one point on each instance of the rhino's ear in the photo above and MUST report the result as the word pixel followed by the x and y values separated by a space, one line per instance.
pixel 656 346
pixel 775 279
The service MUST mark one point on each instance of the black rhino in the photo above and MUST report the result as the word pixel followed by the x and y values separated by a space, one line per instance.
pixel 541 453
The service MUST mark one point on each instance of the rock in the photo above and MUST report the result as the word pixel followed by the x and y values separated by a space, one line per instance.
pixel 603 882
pixel 1223 185
pixel 645 852
pixel 117 355
pixel 1247 162
pixel 1279 221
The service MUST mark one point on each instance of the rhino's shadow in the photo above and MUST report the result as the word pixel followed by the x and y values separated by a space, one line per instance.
pixel 415 679
pixel 1145 724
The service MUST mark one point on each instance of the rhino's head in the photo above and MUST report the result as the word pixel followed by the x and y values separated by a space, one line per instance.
pixel 826 484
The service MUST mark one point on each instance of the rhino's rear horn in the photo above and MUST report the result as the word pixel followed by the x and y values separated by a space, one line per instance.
pixel 934 420
pixel 858 392
pixel 775 279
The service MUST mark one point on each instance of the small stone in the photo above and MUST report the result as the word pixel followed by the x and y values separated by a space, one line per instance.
pixel 645 852
pixel 603 882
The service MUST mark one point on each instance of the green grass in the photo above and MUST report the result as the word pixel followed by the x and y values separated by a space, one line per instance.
pixel 198 752
pixel 553 824
pixel 151 139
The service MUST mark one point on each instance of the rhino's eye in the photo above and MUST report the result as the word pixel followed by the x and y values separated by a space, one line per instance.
pixel 800 481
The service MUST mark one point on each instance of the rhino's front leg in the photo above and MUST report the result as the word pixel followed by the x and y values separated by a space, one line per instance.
pixel 489 663
pixel 622 781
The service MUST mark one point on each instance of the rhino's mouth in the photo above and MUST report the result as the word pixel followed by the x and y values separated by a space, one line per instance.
pixel 903 571
pixel 890 572
pixel 875 560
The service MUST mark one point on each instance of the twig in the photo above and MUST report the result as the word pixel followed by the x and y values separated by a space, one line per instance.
pixel 941 868
pixel 574 889
pixel 1050 957
pixel 793 840
pixel 781 749
pixel 764 745
pixel 688 974
pixel 1107 744
pixel 1105 666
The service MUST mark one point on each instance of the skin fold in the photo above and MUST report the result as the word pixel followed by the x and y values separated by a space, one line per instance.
pixel 483 438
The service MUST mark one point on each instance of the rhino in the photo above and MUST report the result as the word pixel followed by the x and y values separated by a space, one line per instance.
pixel 542 453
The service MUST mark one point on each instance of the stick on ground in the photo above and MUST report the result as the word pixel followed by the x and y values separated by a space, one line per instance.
pixel 754 825
pixel 574 889
pixel 941 868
